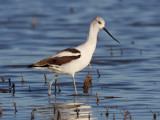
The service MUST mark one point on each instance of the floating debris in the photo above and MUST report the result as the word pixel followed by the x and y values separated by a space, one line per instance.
pixel 111 97
pixel 0 110
pixel 126 114
pixel 98 73
pixel 132 42
pixel 3 79
pixel 22 79
pixel 114 116
pixel 10 89
pixel 32 114
pixel 59 89
pixel 29 88
pixel 15 108
pixel 154 116
pixel 9 81
pixel 55 86
pixel 86 84
pixel 111 51
pixel 71 9
pixel 77 111
pixel 34 23
pixel 130 117
pixel 89 68
pixel 90 81
pixel 97 98
pixel 58 115
pixel 87 81
pixel 89 116
pixel 45 77
pixel 4 90
pixel 13 87
pixel 107 113
pixel 121 51
pixel 54 109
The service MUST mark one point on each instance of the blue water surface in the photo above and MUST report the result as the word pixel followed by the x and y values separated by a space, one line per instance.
pixel 129 83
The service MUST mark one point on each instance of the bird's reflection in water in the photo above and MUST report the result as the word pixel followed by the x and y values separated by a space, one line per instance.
pixel 64 111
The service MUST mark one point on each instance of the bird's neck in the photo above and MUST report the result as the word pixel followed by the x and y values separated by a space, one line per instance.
pixel 92 37
pixel 89 46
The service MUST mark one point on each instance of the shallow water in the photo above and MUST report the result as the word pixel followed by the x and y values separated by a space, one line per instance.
pixel 128 71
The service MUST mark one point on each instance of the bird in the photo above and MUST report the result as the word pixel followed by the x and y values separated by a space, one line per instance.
pixel 72 60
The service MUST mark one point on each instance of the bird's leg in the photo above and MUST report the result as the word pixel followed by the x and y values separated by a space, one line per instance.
pixel 75 89
pixel 50 85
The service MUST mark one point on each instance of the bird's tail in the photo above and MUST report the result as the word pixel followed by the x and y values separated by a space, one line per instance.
pixel 34 66
pixel 30 66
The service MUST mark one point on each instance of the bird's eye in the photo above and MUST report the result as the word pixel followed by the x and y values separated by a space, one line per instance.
pixel 99 22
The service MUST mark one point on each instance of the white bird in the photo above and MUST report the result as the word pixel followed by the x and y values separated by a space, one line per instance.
pixel 72 60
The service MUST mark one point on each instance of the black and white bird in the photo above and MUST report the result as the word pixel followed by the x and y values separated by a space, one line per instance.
pixel 72 60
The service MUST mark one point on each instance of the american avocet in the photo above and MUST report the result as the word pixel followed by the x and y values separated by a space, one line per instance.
pixel 72 60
